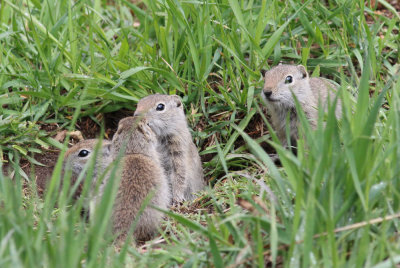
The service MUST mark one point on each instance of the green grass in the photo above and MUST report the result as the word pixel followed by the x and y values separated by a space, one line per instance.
pixel 61 60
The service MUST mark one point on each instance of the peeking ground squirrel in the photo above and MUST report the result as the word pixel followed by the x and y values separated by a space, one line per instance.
pixel 279 84
pixel 78 155
pixel 179 156
pixel 140 176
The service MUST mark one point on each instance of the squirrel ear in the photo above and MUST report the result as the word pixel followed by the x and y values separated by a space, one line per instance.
pixel 106 148
pixel 303 71
pixel 177 100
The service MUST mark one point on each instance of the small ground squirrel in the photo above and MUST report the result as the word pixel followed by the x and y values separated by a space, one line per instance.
pixel 178 154
pixel 140 175
pixel 283 80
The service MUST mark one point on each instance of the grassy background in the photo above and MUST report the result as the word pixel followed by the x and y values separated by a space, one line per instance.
pixel 61 60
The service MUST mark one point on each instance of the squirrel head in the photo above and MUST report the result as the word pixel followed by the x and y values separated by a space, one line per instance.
pixel 135 135
pixel 164 113
pixel 284 80
pixel 78 155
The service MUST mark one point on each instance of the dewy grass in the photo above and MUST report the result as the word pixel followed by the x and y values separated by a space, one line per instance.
pixel 60 60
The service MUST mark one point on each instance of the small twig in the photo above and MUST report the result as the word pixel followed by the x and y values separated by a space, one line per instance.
pixel 144 247
pixel 172 69
pixel 357 225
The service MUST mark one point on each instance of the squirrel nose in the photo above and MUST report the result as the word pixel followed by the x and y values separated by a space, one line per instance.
pixel 268 94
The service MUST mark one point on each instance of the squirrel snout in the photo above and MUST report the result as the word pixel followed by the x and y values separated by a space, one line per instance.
pixel 267 93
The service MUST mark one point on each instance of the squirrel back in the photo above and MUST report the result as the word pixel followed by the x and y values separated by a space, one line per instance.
pixel 141 177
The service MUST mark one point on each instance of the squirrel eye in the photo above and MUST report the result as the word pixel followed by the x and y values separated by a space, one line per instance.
pixel 288 79
pixel 83 153
pixel 160 107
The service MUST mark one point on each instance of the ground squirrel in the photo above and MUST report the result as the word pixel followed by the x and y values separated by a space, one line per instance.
pixel 279 84
pixel 140 176
pixel 179 156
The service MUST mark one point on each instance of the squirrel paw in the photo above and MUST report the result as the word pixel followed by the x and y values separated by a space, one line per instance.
pixel 176 203
pixel 178 200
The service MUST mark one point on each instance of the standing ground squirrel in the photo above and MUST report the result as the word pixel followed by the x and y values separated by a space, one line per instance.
pixel 140 176
pixel 179 156
pixel 283 80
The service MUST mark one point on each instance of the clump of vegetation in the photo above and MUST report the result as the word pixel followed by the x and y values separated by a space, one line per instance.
pixel 335 203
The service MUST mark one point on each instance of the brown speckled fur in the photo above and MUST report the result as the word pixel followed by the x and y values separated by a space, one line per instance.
pixel 140 177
